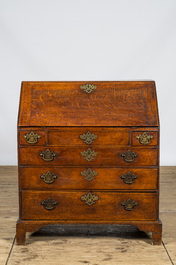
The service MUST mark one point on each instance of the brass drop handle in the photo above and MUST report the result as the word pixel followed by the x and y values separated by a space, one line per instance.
pixel 129 156
pixel 89 154
pixel 88 137
pixel 128 178
pixel 144 138
pixel 31 138
pixel 89 198
pixel 129 204
pixel 47 155
pixel 48 177
pixel 49 204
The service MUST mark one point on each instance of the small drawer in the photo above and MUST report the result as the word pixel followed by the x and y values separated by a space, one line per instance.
pixel 32 137
pixel 94 156
pixel 144 138
pixel 89 205
pixel 88 136
pixel 88 178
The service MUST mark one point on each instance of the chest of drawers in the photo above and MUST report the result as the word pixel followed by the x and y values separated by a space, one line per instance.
pixel 88 153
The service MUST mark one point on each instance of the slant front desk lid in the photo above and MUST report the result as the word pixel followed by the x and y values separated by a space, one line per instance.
pixel 122 103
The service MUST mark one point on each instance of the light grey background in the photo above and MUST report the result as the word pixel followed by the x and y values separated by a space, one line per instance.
pixel 87 40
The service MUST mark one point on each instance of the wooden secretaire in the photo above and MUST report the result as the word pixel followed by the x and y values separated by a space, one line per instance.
pixel 88 153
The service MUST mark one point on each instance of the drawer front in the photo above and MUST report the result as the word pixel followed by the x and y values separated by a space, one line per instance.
pixel 32 137
pixel 85 205
pixel 144 138
pixel 85 178
pixel 81 156
pixel 88 136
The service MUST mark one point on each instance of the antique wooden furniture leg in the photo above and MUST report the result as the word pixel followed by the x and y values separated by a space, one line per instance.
pixel 157 234
pixel 20 234
pixel 155 228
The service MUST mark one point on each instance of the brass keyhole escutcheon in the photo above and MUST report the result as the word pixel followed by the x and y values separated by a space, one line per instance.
pixel 88 137
pixel 88 88
pixel 89 174
pixel 89 198
pixel 89 154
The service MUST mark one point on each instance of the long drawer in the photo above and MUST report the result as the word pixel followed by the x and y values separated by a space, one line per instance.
pixel 84 205
pixel 85 178
pixel 98 156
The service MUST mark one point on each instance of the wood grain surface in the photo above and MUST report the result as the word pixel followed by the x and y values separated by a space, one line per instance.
pixel 71 156
pixel 123 103
pixel 70 206
pixel 71 178
pixel 105 136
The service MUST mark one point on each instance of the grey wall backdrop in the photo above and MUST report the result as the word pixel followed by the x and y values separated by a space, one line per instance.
pixel 87 40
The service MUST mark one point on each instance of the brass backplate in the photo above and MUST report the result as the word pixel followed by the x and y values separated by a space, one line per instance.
pixel 129 204
pixel 89 174
pixel 144 138
pixel 129 156
pixel 89 198
pixel 31 138
pixel 48 177
pixel 47 155
pixel 88 137
pixel 128 178
pixel 89 155
pixel 88 88
pixel 49 204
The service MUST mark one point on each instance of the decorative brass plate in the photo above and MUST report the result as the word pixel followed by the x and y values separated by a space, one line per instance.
pixel 89 174
pixel 89 154
pixel 47 155
pixel 88 137
pixel 49 204
pixel 129 204
pixel 129 156
pixel 89 198
pixel 128 178
pixel 48 177
pixel 32 138
pixel 88 87
pixel 144 138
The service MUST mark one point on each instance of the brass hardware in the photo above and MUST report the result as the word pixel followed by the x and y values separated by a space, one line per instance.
pixel 47 155
pixel 88 137
pixel 129 156
pixel 129 204
pixel 48 177
pixel 88 87
pixel 89 174
pixel 49 204
pixel 89 154
pixel 128 178
pixel 31 138
pixel 144 138
pixel 89 198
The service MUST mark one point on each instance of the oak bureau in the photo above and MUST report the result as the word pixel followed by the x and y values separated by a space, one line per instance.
pixel 88 153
